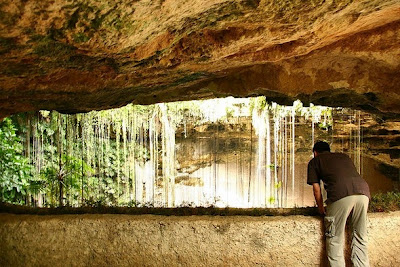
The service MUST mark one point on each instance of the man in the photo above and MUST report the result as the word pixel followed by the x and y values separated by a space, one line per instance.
pixel 348 196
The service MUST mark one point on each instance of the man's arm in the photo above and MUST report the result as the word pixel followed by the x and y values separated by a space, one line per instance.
pixel 318 198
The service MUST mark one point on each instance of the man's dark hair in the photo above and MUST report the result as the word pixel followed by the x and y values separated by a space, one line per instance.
pixel 321 146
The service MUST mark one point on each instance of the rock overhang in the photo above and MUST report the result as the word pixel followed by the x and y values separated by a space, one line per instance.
pixel 77 56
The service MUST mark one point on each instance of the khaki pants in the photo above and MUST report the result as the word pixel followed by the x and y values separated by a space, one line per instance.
pixel 335 222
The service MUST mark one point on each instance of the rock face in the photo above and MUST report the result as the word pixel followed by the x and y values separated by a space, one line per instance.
pixel 151 240
pixel 76 56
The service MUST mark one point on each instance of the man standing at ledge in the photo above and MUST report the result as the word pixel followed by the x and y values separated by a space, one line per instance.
pixel 348 195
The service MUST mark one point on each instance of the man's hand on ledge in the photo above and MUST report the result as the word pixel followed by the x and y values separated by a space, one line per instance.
pixel 321 211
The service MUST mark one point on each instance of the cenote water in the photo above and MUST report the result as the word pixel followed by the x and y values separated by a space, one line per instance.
pixel 221 152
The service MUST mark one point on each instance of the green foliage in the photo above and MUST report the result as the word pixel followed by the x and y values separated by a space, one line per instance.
pixel 258 103
pixel 49 47
pixel 14 167
pixel 81 38
pixel 271 166
pixel 230 112
pixel 184 110
pixel 67 174
pixel 324 125
pixel 389 201
pixel 271 200
pixel 142 153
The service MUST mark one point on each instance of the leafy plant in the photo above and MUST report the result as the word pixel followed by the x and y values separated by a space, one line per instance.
pixel 389 201
pixel 271 200
pixel 15 170
pixel 65 176
pixel 278 185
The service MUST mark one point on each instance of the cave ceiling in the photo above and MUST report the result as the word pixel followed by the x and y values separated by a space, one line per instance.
pixel 76 56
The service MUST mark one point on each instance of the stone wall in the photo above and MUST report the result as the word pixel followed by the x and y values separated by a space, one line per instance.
pixel 151 240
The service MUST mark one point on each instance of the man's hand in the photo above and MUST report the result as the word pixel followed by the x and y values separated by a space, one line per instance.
pixel 321 210
pixel 318 198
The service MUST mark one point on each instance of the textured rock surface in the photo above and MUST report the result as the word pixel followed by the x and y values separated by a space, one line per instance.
pixel 148 240
pixel 81 55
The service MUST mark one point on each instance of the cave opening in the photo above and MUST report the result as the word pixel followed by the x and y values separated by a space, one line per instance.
pixel 208 157
pixel 227 152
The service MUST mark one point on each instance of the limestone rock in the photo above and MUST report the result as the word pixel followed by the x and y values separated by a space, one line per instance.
pixel 76 56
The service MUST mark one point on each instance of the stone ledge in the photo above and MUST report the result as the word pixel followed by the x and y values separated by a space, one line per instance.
pixel 154 240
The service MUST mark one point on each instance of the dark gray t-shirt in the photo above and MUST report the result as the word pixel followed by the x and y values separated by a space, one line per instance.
pixel 339 175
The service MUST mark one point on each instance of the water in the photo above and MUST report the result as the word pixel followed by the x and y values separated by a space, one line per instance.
pixel 220 152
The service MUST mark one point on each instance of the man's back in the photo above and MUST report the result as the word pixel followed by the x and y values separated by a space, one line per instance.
pixel 339 175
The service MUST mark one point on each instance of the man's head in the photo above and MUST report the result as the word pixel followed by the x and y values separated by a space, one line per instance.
pixel 320 147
